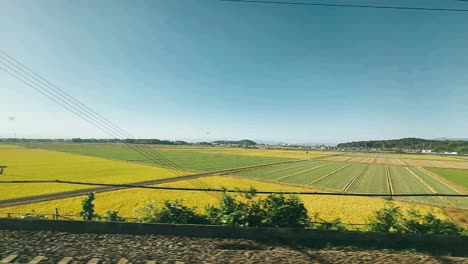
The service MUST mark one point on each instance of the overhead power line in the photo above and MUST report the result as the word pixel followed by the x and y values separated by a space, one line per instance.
pixel 235 190
pixel 348 5
pixel 25 75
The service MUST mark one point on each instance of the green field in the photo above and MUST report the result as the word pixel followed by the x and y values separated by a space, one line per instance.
pixel 404 182
pixel 372 180
pixel 188 158
pixel 440 187
pixel 360 178
pixel 457 176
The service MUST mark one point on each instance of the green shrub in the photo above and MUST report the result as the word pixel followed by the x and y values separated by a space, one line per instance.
pixel 175 212
pixel 113 216
pixel 232 212
pixel 428 224
pixel 390 219
pixel 281 211
pixel 387 219
pixel 276 210
pixel 148 213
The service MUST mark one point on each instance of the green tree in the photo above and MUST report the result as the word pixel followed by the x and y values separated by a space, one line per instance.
pixel 87 207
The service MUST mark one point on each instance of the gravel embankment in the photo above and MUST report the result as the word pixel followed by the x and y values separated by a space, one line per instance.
pixel 169 249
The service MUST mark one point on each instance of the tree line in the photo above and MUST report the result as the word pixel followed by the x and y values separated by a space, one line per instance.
pixel 413 144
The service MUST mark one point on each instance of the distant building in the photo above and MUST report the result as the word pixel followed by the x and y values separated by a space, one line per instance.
pixel 426 151
pixel 449 153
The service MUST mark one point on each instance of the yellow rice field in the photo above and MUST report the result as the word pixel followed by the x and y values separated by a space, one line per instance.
pixel 35 164
pixel 349 209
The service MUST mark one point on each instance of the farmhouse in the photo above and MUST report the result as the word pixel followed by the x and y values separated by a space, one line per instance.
pixel 426 151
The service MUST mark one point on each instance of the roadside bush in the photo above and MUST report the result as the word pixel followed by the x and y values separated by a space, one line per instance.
pixel 232 212
pixel 148 213
pixel 387 219
pixel 284 211
pixel 113 216
pixel 276 210
pixel 175 212
pixel 391 219
pixel 428 224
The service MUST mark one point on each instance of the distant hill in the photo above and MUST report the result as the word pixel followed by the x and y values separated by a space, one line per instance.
pixel 438 145
pixel 244 142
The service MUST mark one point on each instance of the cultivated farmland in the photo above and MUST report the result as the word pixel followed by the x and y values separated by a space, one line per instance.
pixel 35 164
pixel 321 171
pixel 361 178
pixel 403 160
pixel 459 177
pixel 196 159
pixel 350 209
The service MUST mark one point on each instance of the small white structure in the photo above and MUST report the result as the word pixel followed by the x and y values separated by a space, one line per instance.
pixel 450 153
pixel 426 151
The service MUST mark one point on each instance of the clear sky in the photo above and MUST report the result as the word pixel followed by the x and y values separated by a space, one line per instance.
pixel 204 69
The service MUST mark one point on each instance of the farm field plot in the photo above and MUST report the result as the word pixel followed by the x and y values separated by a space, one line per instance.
pixel 275 172
pixel 194 159
pixel 35 164
pixel 437 163
pixel 301 173
pixel 396 160
pixel 358 178
pixel 403 181
pixel 363 159
pixel 338 158
pixel 349 209
pixel 403 156
pixel 459 177
pixel 372 180
pixel 292 154
pixel 308 177
pixel 441 187
pixel 341 178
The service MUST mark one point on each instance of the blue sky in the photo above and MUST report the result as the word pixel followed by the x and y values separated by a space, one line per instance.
pixel 203 69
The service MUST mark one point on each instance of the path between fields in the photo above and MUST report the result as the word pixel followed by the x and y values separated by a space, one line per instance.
pixel 74 193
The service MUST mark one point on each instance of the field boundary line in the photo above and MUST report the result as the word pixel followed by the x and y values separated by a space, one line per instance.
pixel 328 174
pixel 428 185
pixel 300 172
pixel 348 185
pixel 389 181
pixel 441 180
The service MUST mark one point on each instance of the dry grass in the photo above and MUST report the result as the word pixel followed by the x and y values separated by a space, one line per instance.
pixel 457 215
